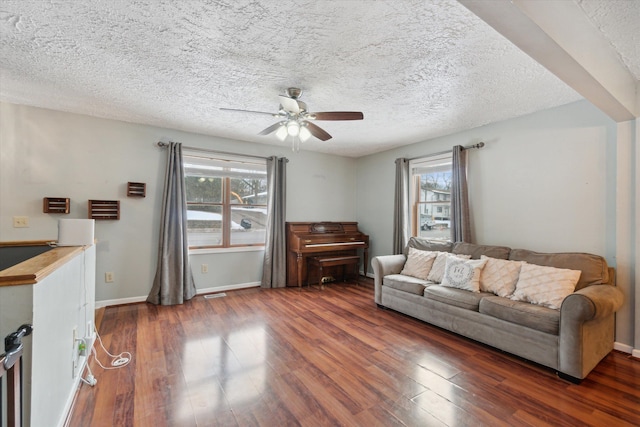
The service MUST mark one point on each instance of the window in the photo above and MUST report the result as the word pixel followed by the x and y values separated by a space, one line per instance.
pixel 226 200
pixel 431 197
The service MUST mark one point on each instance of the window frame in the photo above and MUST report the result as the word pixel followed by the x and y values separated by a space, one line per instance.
pixel 442 162
pixel 226 201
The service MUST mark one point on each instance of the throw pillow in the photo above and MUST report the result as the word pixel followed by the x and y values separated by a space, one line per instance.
pixel 418 263
pixel 546 286
pixel 499 276
pixel 463 274
pixel 439 264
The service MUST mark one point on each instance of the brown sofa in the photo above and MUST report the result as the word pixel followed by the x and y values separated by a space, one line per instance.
pixel 571 340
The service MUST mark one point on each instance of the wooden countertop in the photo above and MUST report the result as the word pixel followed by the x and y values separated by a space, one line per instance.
pixel 37 268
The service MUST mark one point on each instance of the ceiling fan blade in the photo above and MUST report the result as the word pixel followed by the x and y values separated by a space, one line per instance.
pixel 272 128
pixel 291 105
pixel 317 131
pixel 249 111
pixel 337 115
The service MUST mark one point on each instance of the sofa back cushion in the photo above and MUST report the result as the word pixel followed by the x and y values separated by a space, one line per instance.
pixel 593 267
pixel 428 245
pixel 476 251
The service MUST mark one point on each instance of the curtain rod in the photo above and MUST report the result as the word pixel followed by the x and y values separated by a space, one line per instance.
pixel 207 150
pixel 468 147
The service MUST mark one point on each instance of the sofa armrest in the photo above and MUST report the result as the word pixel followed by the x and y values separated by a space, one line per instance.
pixel 587 328
pixel 383 266
pixel 592 302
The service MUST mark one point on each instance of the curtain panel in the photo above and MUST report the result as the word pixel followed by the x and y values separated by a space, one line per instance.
pixel 274 271
pixel 460 218
pixel 173 282
pixel 401 218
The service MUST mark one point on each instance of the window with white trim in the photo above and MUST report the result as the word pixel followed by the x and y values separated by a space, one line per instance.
pixel 226 200
pixel 431 196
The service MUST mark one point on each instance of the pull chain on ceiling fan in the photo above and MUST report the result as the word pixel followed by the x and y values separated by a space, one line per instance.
pixel 296 119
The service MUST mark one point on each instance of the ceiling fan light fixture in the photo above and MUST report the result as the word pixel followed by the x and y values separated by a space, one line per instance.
pixel 293 128
pixel 304 134
pixel 282 133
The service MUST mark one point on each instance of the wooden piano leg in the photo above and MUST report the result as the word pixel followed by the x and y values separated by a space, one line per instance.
pixel 300 261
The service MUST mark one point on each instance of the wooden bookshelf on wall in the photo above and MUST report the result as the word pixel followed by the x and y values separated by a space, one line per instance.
pixel 136 189
pixel 104 209
pixel 59 205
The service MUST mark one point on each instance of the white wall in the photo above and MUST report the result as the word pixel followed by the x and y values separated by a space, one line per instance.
pixel 545 182
pixel 46 153
pixel 55 306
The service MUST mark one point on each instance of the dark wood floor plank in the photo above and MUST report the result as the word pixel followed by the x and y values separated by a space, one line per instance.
pixel 290 357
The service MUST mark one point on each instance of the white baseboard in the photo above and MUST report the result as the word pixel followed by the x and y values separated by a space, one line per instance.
pixel 626 349
pixel 227 288
pixel 68 406
pixel 119 301
pixel 133 300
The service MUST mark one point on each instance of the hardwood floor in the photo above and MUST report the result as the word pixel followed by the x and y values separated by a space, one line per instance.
pixel 285 357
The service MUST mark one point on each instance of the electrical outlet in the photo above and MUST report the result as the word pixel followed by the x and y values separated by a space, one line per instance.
pixel 108 277
pixel 204 268
pixel 20 221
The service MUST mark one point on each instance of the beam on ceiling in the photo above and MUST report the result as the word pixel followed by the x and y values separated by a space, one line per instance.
pixel 560 37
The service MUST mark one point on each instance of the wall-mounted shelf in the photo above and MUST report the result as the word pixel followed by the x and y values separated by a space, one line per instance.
pixel 58 205
pixel 136 189
pixel 104 209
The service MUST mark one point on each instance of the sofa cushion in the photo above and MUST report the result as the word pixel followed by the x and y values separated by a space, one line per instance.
pixel 532 316
pixel 499 276
pixel 440 263
pixel 593 267
pixel 463 274
pixel 428 245
pixel 418 263
pixel 547 286
pixel 405 283
pixel 476 251
pixel 455 297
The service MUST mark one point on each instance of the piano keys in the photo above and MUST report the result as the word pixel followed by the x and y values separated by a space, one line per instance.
pixel 309 239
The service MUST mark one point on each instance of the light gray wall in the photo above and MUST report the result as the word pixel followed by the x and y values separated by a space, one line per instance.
pixel 46 153
pixel 545 181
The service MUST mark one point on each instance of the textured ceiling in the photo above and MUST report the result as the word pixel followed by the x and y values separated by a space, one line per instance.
pixel 416 69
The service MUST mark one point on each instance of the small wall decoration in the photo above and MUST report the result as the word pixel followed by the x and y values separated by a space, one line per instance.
pixel 136 189
pixel 104 209
pixel 58 205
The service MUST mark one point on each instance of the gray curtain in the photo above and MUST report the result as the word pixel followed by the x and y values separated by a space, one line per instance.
pixel 274 269
pixel 401 218
pixel 173 283
pixel 460 222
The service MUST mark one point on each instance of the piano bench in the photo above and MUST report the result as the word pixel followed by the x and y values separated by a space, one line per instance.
pixel 330 261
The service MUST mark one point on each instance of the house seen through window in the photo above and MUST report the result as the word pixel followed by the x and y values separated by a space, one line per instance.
pixel 431 197
pixel 226 201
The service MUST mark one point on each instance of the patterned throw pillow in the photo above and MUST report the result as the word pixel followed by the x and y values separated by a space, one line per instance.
pixel 546 286
pixel 500 276
pixel 437 269
pixel 418 263
pixel 463 274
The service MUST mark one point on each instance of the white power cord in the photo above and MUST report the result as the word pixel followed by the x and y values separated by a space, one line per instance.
pixel 117 361
pixel 91 380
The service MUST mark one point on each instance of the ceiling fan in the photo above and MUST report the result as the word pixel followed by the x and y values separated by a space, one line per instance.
pixel 297 120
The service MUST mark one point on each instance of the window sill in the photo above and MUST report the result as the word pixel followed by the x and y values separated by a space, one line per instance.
pixel 225 250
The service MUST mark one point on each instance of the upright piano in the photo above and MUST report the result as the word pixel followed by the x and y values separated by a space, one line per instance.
pixel 309 239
